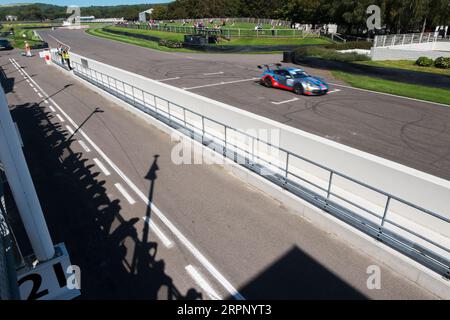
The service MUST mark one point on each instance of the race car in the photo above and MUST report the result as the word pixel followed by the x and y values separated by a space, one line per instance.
pixel 292 79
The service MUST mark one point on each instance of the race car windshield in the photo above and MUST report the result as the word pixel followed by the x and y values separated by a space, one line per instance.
pixel 299 74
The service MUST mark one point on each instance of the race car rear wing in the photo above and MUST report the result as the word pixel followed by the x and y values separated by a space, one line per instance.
pixel 269 66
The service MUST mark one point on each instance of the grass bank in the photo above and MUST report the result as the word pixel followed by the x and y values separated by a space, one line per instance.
pixel 405 65
pixel 402 89
pixel 138 42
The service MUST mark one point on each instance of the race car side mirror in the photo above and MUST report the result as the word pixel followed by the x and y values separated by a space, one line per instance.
pixel 259 67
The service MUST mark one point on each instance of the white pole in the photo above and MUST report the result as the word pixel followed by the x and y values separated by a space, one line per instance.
pixel 19 179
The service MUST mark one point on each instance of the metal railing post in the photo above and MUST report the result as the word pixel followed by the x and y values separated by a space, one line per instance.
pixel 330 181
pixel 386 208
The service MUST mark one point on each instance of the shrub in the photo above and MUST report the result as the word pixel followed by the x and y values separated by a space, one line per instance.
pixel 424 62
pixel 170 43
pixel 442 62
pixel 330 54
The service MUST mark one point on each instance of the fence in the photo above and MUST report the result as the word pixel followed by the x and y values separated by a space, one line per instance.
pixel 287 170
pixel 276 22
pixel 228 32
pixel 404 39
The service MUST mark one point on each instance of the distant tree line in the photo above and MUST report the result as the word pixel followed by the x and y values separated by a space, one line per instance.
pixel 40 11
pixel 350 15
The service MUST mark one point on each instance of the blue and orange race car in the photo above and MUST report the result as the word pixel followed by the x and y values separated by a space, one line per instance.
pixel 292 79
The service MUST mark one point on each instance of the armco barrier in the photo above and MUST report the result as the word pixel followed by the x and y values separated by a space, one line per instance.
pixel 402 207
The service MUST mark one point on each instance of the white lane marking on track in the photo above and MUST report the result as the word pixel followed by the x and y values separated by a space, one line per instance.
pixel 159 233
pixel 59 41
pixel 188 244
pixel 220 84
pixel 333 91
pixel 169 79
pixel 40 95
pixel 202 283
pixel 69 128
pixel 84 146
pixel 124 193
pixel 286 101
pixel 213 73
pixel 28 81
pixel 59 117
pixel 389 94
pixel 102 167
pixel 35 90
pixel 52 109
pixel 46 102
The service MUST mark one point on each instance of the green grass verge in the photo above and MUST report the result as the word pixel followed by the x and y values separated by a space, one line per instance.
pixel 139 42
pixel 402 89
pixel 405 65
pixel 234 40
pixel 155 33
pixel 22 35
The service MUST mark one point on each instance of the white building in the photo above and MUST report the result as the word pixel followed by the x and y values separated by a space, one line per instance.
pixel 11 18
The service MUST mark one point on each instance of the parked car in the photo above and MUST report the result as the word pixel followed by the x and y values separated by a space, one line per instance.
pixel 5 44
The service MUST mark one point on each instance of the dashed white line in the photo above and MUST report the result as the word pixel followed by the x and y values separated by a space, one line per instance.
pixel 52 109
pixel 165 240
pixel 124 193
pixel 46 102
pixel 69 128
pixel 59 117
pixel 213 73
pixel 84 146
pixel 28 81
pixel 35 90
pixel 202 283
pixel 169 79
pixel 102 167
pixel 286 101
pixel 40 95
pixel 220 84
pixel 194 251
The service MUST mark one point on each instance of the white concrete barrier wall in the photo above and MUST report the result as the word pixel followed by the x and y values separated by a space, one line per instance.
pixel 422 189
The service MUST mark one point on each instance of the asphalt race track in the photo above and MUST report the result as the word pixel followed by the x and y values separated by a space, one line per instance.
pixel 413 133
pixel 218 231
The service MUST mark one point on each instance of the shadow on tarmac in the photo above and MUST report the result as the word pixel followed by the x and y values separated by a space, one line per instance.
pixel 80 213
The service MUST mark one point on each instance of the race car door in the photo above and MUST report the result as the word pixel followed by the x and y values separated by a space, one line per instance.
pixel 284 78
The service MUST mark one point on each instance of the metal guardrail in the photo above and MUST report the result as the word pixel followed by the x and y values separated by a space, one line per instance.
pixel 229 32
pixel 377 225
pixel 9 289
pixel 403 39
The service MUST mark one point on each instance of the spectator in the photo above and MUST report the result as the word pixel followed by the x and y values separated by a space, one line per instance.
pixel 66 57
pixel 27 49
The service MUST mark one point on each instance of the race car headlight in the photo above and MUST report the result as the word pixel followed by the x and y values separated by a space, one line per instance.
pixel 310 86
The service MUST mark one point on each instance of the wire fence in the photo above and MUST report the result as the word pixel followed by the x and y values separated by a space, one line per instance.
pixel 231 21
pixel 291 172
pixel 227 32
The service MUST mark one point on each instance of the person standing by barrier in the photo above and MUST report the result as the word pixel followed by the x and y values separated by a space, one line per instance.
pixel 66 58
pixel 60 53
pixel 27 49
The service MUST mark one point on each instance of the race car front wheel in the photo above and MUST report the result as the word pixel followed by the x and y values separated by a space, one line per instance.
pixel 298 89
pixel 268 82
